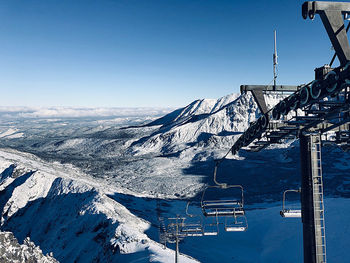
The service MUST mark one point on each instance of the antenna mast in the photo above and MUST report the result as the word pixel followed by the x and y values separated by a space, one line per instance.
pixel 275 62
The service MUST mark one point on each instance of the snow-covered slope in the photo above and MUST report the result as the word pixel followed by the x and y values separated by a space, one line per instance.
pixel 13 252
pixel 72 213
pixel 69 214
pixel 203 121
pixel 197 107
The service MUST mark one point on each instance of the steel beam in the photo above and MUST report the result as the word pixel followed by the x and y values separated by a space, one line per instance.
pixel 257 91
pixel 307 206
pixel 260 100
pixel 331 14
pixel 286 88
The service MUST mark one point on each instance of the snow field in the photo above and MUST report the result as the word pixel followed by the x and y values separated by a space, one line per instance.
pixel 71 218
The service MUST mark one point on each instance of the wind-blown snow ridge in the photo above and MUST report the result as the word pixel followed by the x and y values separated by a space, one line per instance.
pixel 69 215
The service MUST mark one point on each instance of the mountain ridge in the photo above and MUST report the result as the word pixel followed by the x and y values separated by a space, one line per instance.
pixel 196 123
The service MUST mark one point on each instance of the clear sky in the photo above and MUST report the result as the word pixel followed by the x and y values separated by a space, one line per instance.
pixel 140 53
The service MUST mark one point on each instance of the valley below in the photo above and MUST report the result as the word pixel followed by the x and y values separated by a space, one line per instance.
pixel 92 189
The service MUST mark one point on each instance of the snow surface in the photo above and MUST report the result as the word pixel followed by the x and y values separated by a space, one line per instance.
pixel 171 157
pixel 11 133
pixel 91 174
pixel 13 252
pixel 269 238
pixel 68 213
pixel 75 218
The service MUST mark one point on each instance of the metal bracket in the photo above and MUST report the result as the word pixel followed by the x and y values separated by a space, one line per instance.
pixel 332 14
pixel 260 100
pixel 258 93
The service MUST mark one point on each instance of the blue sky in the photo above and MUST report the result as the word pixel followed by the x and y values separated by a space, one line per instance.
pixel 161 53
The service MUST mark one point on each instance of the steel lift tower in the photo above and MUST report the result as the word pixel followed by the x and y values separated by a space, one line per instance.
pixel 324 105
pixel 312 207
pixel 308 113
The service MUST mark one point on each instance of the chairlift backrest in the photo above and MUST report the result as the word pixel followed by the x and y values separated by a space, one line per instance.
pixel 214 206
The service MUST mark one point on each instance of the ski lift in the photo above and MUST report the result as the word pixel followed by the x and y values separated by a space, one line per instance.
pixel 220 207
pixel 162 231
pixel 236 223
pixel 290 212
pixel 173 229
pixel 211 226
pixel 192 225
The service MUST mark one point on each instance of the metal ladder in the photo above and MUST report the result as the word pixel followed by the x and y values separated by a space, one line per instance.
pixel 317 186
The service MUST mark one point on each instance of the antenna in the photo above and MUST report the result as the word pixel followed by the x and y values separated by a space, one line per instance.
pixel 275 62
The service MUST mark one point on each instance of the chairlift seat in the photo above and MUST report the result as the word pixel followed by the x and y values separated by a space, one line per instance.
pixel 189 228
pixel 211 228
pixel 194 229
pixel 216 212
pixel 222 203
pixel 290 213
pixel 236 223
pixel 235 229
pixel 192 232
pixel 205 233
pixel 222 208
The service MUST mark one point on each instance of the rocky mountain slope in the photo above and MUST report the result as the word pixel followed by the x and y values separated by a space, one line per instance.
pixel 203 121
pixel 70 215
pixel 171 157
pixel 13 252
pixel 78 188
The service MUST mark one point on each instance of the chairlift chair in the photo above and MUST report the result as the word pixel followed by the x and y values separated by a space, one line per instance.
pixel 290 212
pixel 222 207
pixel 227 206
pixel 230 208
pixel 236 223
pixel 192 225
pixel 173 229
pixel 211 228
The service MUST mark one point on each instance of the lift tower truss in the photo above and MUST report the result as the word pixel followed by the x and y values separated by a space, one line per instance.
pixel 311 110
pixel 312 206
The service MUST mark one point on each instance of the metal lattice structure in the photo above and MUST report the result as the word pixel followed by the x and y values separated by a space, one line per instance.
pixel 308 113
pixel 311 110
pixel 317 187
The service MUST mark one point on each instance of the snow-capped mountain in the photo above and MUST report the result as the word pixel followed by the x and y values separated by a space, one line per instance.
pixel 88 189
pixel 197 107
pixel 203 121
